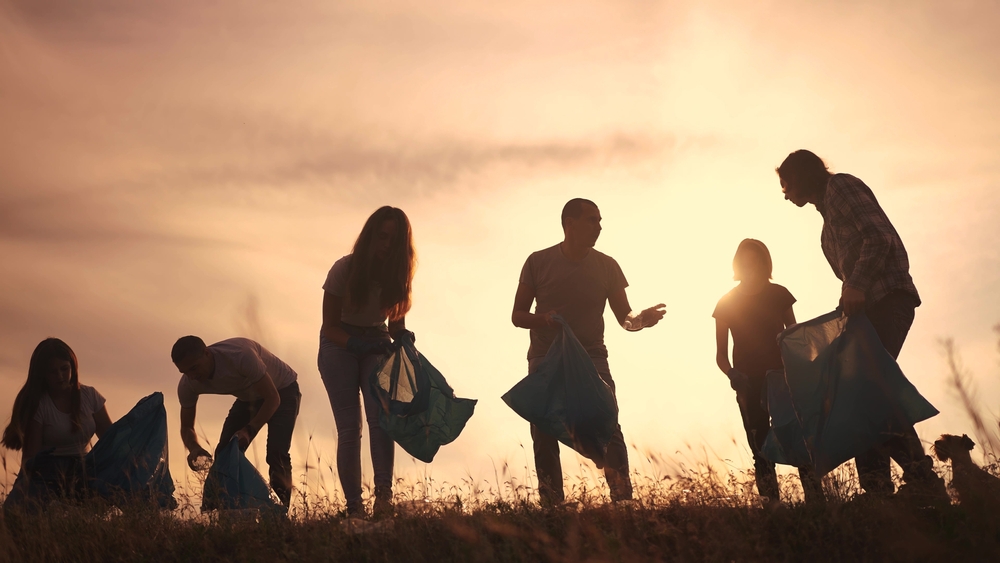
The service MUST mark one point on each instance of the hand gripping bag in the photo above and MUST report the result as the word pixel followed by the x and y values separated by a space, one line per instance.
pixel 130 460
pixel 566 398
pixel 234 483
pixel 847 393
pixel 419 409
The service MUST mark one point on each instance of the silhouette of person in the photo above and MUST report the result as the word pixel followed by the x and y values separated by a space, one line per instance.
pixel 867 255
pixel 266 391
pixel 56 415
pixel 362 291
pixel 755 312
pixel 574 280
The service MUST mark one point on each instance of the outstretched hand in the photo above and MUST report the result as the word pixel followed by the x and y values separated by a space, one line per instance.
pixel 652 315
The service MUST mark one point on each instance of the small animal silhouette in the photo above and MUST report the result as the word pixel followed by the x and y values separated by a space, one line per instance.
pixel 976 488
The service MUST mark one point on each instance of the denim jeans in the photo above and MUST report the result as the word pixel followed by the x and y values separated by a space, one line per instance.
pixel 548 466
pixel 345 376
pixel 279 435
pixel 892 317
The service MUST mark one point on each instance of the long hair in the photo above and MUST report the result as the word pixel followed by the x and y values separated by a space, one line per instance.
pixel 394 276
pixel 752 249
pixel 26 402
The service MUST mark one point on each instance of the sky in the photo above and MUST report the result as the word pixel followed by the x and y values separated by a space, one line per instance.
pixel 196 167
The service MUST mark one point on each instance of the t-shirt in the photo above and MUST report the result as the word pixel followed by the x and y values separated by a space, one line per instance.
pixel 336 283
pixel 239 363
pixel 755 321
pixel 577 291
pixel 57 426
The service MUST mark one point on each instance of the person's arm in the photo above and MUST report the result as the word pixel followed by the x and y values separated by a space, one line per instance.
pixel 788 317
pixel 854 201
pixel 264 388
pixel 722 346
pixel 332 308
pixel 32 440
pixel 102 420
pixel 627 318
pixel 522 316
pixel 190 438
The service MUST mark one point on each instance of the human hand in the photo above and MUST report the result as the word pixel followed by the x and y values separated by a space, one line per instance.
pixel 738 380
pixel 199 460
pixel 852 301
pixel 243 435
pixel 549 320
pixel 652 315
pixel 403 334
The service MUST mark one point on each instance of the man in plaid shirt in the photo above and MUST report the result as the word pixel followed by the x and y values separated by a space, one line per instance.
pixel 866 253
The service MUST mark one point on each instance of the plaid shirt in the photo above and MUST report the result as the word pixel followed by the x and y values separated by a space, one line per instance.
pixel 860 243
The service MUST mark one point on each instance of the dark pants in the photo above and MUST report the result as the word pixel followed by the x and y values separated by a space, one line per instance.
pixel 548 466
pixel 757 423
pixel 279 435
pixel 892 317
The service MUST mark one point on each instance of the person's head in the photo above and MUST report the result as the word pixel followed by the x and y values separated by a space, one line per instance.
pixel 53 369
pixel 384 254
pixel 803 177
pixel 193 358
pixel 752 261
pixel 581 221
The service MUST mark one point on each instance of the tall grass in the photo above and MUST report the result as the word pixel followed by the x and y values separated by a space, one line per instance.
pixel 687 508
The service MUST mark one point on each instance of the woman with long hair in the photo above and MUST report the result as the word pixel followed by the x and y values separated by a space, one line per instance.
pixel 55 415
pixel 363 291
pixel 755 312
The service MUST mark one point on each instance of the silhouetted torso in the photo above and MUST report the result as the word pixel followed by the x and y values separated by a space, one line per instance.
pixel 755 322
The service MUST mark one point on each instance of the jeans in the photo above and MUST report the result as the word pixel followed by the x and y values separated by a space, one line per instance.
pixel 548 466
pixel 757 423
pixel 279 435
pixel 892 317
pixel 345 376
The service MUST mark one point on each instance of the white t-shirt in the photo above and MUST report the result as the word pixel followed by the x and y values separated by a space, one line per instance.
pixel 336 283
pixel 57 426
pixel 239 363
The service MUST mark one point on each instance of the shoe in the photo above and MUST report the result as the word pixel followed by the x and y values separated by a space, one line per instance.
pixel 383 507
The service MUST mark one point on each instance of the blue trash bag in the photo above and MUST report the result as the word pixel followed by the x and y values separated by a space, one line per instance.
pixel 567 399
pixel 419 409
pixel 130 460
pixel 847 393
pixel 45 478
pixel 234 483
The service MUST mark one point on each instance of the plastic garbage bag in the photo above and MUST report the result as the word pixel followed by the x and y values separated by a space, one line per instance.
pixel 45 478
pixel 846 392
pixel 419 409
pixel 130 460
pixel 233 483
pixel 566 398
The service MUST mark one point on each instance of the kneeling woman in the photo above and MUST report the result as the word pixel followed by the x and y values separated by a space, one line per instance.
pixel 363 290
pixel 56 416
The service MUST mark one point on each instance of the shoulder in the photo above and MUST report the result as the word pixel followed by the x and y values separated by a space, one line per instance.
pixel 44 410
pixel 725 303
pixel 343 263
pixel 236 343
pixel 545 253
pixel 846 186
pixel 92 397
pixel 781 293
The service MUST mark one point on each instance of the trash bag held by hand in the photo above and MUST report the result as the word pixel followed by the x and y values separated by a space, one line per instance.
pixel 567 399
pixel 419 409
pixel 847 392
pixel 234 483
pixel 130 460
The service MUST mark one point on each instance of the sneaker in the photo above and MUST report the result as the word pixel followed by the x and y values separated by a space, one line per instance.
pixel 383 508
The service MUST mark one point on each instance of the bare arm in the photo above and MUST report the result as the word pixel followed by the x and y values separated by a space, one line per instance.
pixel 188 435
pixel 102 421
pixel 722 346
pixel 633 321
pixel 32 441
pixel 522 316
pixel 788 318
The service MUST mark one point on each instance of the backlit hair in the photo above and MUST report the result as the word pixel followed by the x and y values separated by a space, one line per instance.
pixel 26 402
pixel 574 209
pixel 805 170
pixel 394 276
pixel 751 249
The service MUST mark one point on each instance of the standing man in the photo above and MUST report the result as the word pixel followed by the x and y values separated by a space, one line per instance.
pixel 266 391
pixel 866 253
pixel 575 281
